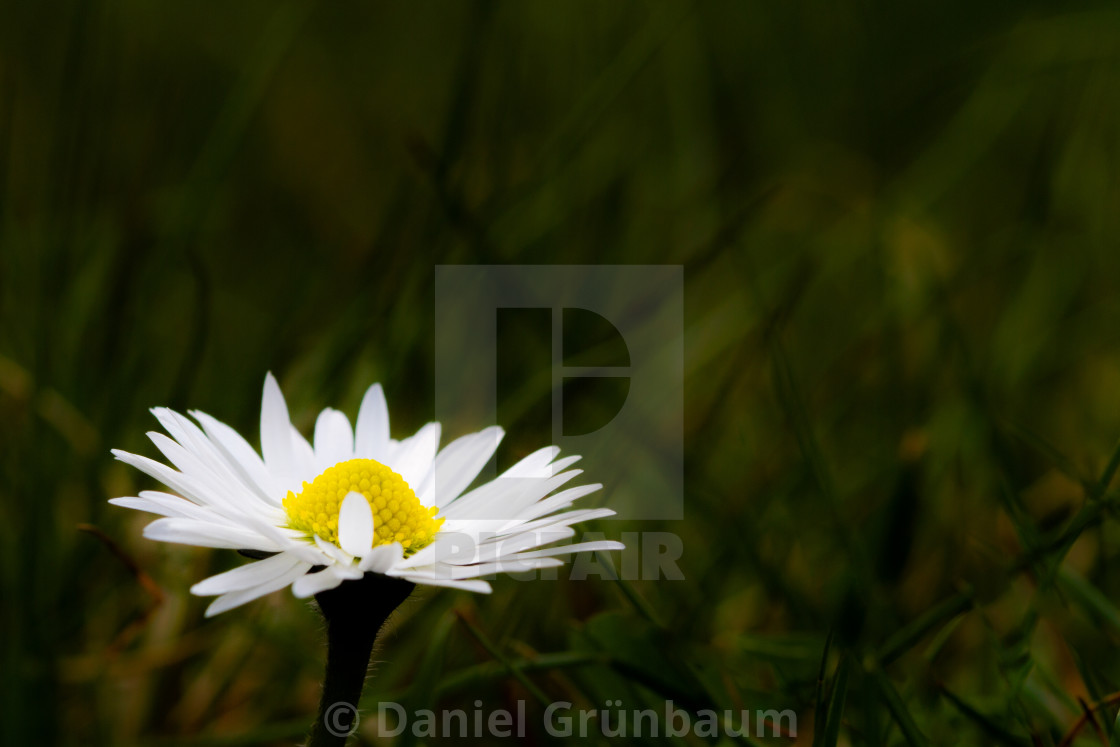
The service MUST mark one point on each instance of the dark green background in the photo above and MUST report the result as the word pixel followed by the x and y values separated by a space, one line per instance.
pixel 898 223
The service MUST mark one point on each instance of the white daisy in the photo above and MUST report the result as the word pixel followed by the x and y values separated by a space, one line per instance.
pixel 357 501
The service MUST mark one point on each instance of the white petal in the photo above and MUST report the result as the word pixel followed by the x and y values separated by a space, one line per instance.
pixel 207 534
pixel 228 492
pixel 565 519
pixel 460 461
pixel 241 455
pixel 169 477
pixel 208 453
pixel 382 558
pixel 299 547
pixel 253 514
pixel 333 551
pixel 192 489
pixel 238 598
pixel 444 544
pixel 191 438
pixel 246 576
pixel 303 458
pixel 355 524
pixel 334 441
pixel 513 565
pixel 311 584
pixel 372 427
pixel 414 456
pixel 554 503
pixel 276 437
pixel 165 504
pixel 346 572
pixel 534 465
pixel 562 464
pixel 499 548
pixel 603 545
pixel 480 587
pixel 506 497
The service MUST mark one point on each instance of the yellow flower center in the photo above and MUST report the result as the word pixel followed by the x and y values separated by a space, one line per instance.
pixel 398 515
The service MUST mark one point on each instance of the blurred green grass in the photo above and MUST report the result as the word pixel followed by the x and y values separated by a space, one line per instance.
pixel 898 224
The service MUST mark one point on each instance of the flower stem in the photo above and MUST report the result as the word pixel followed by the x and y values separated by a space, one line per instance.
pixel 355 612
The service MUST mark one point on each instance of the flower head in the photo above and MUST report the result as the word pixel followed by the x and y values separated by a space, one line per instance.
pixel 356 501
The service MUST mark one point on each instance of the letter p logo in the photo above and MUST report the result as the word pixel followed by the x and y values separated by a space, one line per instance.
pixel 635 450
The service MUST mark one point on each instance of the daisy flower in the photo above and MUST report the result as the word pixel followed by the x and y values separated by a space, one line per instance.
pixel 354 501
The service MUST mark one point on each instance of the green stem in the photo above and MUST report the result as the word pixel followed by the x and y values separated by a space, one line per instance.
pixel 355 612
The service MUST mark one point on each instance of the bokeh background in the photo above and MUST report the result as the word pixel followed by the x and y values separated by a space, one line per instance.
pixel 899 227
